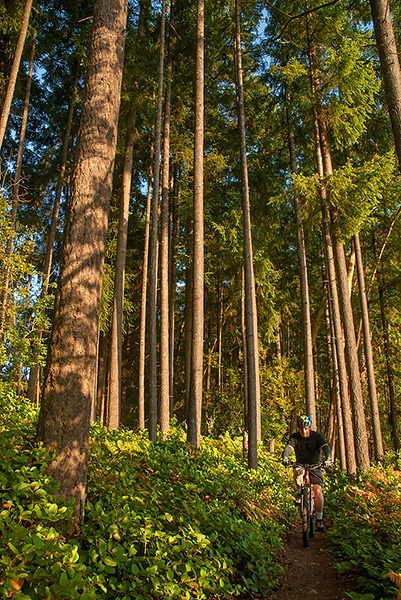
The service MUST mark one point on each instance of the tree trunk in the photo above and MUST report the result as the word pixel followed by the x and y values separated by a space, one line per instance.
pixel 251 325
pixel 15 193
pixel 175 226
pixel 309 375
pixel 153 243
pixel 51 238
pixel 360 430
pixel 142 325
pixel 164 250
pixel 188 335
pixel 196 385
pixel 70 380
pixel 393 410
pixel 325 170
pixel 5 113
pixel 114 407
pixel 374 406
pixel 332 349
pixel 390 65
pixel 103 358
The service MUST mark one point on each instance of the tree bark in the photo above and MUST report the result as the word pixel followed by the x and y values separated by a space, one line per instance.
pixel 251 323
pixel 309 375
pixel 70 380
pixel 5 113
pixel 15 193
pixel 153 243
pixel 196 385
pixel 374 405
pixel 51 238
pixel 164 250
pixel 142 324
pixel 325 170
pixel 393 410
pixel 390 65
pixel 114 407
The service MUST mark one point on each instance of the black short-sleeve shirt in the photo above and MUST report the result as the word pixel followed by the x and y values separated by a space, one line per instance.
pixel 307 450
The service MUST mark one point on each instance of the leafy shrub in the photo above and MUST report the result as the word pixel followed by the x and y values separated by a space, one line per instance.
pixel 365 530
pixel 35 552
pixel 180 527
pixel 161 521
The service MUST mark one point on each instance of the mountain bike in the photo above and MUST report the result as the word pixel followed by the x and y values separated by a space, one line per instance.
pixel 307 504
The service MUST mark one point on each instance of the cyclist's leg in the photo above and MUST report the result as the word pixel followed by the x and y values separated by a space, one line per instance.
pixel 298 477
pixel 317 480
pixel 319 498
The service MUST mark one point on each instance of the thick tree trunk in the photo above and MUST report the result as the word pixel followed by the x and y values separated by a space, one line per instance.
pixel 196 385
pixel 72 361
pixel 5 113
pixel 251 323
pixel 390 65
pixel 374 405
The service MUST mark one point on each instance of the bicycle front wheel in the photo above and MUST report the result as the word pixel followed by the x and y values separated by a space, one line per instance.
pixel 312 518
pixel 305 516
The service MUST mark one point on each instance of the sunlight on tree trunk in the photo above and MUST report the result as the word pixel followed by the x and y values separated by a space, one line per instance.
pixel 72 363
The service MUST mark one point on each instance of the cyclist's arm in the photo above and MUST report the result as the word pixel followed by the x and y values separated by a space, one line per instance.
pixel 287 450
pixel 326 450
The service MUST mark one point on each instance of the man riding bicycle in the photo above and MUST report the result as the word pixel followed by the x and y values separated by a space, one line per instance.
pixel 309 446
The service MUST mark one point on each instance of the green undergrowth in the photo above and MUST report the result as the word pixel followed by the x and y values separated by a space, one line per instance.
pixel 160 522
pixel 365 533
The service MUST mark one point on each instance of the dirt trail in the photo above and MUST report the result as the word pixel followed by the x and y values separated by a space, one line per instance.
pixel 310 572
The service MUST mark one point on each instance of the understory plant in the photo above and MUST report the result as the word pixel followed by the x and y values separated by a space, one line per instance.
pixel 161 521
pixel 365 533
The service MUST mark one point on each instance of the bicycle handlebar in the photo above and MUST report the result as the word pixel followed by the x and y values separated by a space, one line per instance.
pixel 307 467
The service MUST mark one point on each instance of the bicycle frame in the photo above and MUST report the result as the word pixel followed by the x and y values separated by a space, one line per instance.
pixel 307 505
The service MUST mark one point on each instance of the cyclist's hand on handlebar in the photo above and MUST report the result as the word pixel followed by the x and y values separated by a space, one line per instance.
pixel 285 461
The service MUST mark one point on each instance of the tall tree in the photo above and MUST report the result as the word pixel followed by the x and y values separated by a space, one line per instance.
pixel 51 238
pixel 70 380
pixel 251 322
pixel 5 113
pixel 374 406
pixel 390 65
pixel 196 382
pixel 309 375
pixel 114 405
pixel 165 298
pixel 16 192
pixel 154 239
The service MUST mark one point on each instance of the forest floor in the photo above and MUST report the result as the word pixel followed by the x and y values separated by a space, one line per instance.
pixel 311 572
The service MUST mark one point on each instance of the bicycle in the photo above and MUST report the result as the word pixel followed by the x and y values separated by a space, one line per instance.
pixel 307 503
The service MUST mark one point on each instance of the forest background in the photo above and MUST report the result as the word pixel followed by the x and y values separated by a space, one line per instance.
pixel 260 280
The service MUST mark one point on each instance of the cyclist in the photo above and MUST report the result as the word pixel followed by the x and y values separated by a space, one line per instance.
pixel 309 446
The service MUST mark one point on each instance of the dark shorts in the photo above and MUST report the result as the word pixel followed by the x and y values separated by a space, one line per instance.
pixel 316 475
